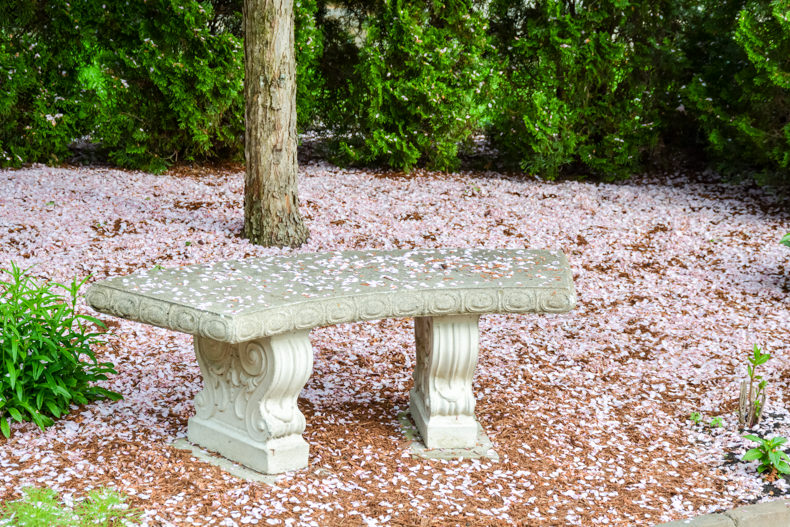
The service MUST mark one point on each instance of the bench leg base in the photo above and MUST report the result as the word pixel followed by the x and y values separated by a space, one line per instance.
pixel 247 410
pixel 442 431
pixel 442 403
pixel 271 457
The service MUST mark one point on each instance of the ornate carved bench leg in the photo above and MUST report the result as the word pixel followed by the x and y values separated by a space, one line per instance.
pixel 442 403
pixel 247 409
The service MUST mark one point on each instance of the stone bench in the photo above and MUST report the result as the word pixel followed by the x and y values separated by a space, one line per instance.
pixel 251 321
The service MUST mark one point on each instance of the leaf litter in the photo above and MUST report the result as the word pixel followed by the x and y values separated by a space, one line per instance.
pixel 677 278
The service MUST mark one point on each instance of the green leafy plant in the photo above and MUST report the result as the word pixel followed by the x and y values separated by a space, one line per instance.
pixel 420 87
pixel 46 361
pixel 40 508
pixel 768 454
pixel 752 400
pixel 716 422
pixel 739 85
pixel 695 417
pixel 785 240
pixel 581 84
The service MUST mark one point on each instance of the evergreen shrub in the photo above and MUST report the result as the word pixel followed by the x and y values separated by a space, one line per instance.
pixel 152 82
pixel 581 84
pixel 559 86
pixel 420 86
pixel 162 82
pixel 39 100
pixel 738 56
pixel 309 48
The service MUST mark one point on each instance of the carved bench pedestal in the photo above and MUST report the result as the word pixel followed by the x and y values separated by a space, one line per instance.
pixel 442 403
pixel 247 409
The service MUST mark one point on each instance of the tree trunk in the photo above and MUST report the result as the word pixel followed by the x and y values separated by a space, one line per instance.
pixel 271 205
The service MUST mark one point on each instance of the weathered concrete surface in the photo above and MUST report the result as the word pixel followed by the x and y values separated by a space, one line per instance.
pixel 442 403
pixel 243 300
pixel 769 514
pixel 230 467
pixel 247 409
pixel 482 449
pixel 709 520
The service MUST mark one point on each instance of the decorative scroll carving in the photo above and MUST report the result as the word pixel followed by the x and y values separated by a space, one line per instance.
pixel 537 289
pixel 272 411
pixel 253 386
pixel 442 402
pixel 447 350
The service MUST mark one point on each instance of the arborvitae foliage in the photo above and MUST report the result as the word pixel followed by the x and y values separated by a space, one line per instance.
pixel 309 45
pixel 164 86
pixel 580 83
pixel 39 99
pixel 420 86
pixel 738 56
pixel 151 82
pixel 561 86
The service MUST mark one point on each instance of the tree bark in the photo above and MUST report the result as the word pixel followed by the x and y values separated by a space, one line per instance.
pixel 271 205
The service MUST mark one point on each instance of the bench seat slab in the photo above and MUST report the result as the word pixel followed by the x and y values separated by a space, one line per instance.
pixel 442 403
pixel 247 409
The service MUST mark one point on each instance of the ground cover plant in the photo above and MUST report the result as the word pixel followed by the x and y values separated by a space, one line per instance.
pixel 46 357
pixel 769 454
pixel 39 507
pixel 678 276
pixel 753 390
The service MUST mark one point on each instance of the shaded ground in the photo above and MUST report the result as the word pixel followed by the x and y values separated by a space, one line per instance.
pixel 677 279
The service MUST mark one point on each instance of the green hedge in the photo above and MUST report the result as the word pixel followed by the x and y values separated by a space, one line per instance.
pixel 558 86
pixel 152 82
pixel 582 87
pixel 419 87
pixel 738 55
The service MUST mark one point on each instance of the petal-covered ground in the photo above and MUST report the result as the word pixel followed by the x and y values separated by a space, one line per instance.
pixel 677 279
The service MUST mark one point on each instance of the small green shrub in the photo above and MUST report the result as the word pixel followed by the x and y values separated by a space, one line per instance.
pixel 786 239
pixel 698 419
pixel 752 399
pixel 769 454
pixel 46 361
pixel 40 508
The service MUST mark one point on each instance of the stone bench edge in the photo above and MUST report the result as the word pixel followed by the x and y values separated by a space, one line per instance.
pixel 328 311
